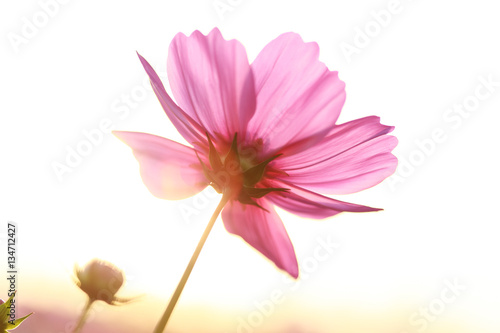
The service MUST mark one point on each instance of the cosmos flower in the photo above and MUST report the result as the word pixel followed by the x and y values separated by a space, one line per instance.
pixel 264 134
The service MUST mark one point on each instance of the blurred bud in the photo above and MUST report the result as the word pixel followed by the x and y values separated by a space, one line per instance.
pixel 100 280
pixel 7 314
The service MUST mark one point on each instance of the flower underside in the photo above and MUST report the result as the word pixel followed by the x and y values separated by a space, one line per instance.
pixel 236 175
pixel 286 101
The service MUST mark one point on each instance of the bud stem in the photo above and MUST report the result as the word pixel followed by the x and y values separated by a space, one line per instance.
pixel 83 316
pixel 160 326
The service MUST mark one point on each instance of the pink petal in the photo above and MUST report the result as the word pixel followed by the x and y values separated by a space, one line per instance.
pixel 262 230
pixel 187 127
pixel 168 169
pixel 308 204
pixel 212 81
pixel 298 98
pixel 353 157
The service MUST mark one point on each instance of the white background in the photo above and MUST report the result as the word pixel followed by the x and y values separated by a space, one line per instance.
pixel 440 219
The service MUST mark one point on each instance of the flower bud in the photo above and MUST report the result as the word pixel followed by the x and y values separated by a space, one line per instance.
pixel 100 280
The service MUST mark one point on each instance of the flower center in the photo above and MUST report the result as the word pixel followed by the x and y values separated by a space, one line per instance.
pixel 238 172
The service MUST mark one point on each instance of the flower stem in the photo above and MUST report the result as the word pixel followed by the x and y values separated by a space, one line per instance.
pixel 160 326
pixel 83 316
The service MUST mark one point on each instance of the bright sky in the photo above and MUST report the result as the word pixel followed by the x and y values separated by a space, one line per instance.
pixel 431 69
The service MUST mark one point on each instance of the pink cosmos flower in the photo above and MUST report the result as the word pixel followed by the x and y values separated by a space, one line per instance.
pixel 263 133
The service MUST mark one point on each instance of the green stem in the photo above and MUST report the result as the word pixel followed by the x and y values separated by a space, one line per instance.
pixel 160 327
pixel 83 316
